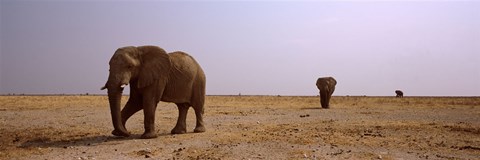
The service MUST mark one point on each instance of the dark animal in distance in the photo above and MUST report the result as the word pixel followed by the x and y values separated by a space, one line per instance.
pixel 399 93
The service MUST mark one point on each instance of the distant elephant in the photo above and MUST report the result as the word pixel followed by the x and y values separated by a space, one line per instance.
pixel 326 85
pixel 399 93
pixel 154 76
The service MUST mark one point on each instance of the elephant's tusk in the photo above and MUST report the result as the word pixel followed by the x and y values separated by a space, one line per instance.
pixel 123 85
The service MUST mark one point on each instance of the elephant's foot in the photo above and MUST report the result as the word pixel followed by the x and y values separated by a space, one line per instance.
pixel 199 129
pixel 120 133
pixel 178 131
pixel 148 135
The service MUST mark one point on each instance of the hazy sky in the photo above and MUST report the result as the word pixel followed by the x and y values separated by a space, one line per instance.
pixel 273 48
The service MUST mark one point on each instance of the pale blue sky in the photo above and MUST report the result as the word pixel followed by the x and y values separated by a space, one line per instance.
pixel 262 48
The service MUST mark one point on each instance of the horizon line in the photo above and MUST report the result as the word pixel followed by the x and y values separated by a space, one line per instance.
pixel 233 95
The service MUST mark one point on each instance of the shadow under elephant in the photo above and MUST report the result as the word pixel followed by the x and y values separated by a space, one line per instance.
pixel 45 142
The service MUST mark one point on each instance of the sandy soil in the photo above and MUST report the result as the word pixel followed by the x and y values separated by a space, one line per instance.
pixel 247 127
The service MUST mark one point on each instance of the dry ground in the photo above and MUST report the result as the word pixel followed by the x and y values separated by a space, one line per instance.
pixel 247 127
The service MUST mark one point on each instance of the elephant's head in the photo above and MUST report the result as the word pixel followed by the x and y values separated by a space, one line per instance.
pixel 137 66
pixel 326 83
pixel 124 65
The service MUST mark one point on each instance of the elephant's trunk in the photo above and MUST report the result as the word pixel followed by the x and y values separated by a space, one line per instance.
pixel 114 98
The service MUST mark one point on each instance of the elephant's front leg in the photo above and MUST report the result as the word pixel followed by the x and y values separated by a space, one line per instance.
pixel 149 108
pixel 181 126
pixel 130 108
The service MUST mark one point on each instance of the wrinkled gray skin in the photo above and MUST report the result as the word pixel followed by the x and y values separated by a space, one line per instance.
pixel 153 76
pixel 326 86
pixel 399 93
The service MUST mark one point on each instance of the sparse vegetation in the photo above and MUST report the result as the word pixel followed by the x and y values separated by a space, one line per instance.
pixel 247 127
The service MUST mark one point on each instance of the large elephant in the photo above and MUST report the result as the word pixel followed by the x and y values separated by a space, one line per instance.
pixel 399 93
pixel 153 76
pixel 326 85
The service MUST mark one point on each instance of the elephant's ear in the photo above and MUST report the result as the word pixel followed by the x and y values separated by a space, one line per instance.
pixel 334 81
pixel 155 65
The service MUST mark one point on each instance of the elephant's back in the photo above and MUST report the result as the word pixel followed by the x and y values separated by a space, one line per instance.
pixel 183 58
pixel 187 77
pixel 184 61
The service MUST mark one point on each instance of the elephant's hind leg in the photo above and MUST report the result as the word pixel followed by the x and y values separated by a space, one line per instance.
pixel 181 126
pixel 200 127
